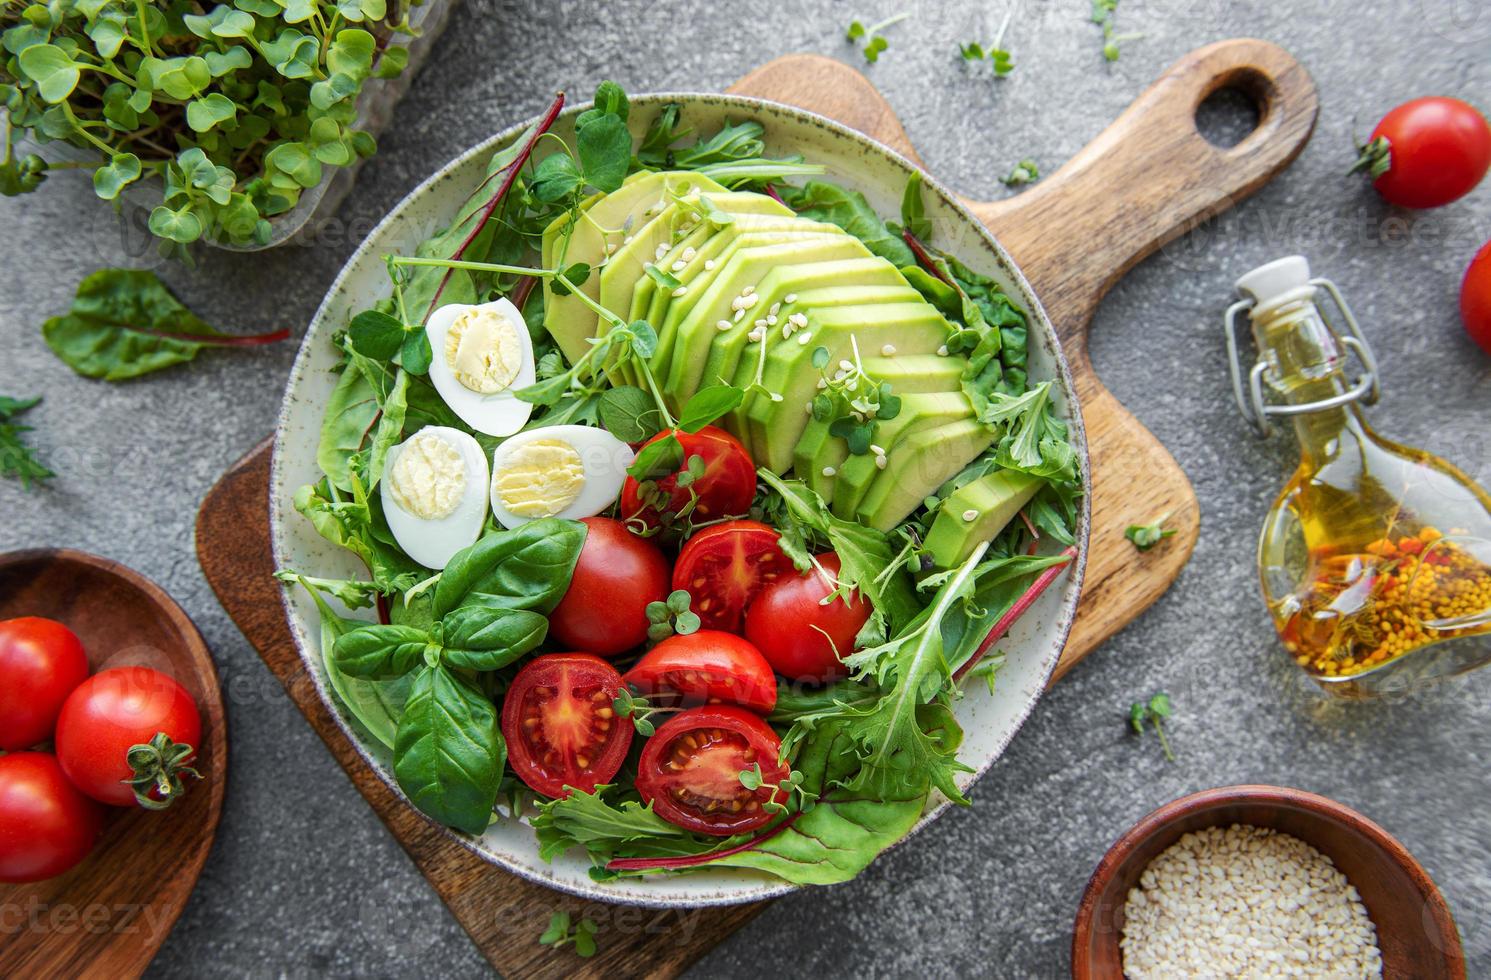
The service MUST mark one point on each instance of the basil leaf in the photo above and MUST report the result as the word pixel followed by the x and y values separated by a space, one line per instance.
pixel 448 754
pixel 708 404
pixel 380 651
pixel 528 567
pixel 488 637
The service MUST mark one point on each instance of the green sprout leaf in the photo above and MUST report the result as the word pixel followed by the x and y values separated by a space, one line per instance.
pixel 1146 536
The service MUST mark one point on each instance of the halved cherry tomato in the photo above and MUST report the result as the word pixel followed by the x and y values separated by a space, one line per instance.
pixel 727 487
pixel 618 574
pixel 801 636
pixel 1475 298
pixel 690 770
pixel 560 728
pixel 41 661
pixel 46 825
pixel 115 710
pixel 709 666
pixel 1436 150
pixel 724 566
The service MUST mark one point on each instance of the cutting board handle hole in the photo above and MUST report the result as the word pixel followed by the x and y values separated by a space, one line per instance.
pixel 1229 114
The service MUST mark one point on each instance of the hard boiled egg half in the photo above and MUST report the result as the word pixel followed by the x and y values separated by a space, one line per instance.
pixel 434 492
pixel 482 355
pixel 568 471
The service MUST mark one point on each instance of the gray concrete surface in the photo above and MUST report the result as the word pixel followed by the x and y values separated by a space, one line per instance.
pixel 304 880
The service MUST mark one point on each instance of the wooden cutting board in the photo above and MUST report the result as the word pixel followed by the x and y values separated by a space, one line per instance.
pixel 1147 179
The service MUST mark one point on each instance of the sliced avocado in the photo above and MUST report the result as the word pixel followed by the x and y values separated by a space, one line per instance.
pixel 918 413
pixel 915 328
pixel 906 374
pixel 702 243
pixel 993 499
pixel 917 467
pixel 569 321
pixel 741 265
pixel 860 282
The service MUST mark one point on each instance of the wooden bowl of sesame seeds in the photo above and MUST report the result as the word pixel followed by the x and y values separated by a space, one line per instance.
pixel 1414 930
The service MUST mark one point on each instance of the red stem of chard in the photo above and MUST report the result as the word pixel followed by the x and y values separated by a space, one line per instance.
pixel 668 864
pixel 249 340
pixel 524 290
pixel 771 192
pixel 1002 626
pixel 512 170
pixel 923 256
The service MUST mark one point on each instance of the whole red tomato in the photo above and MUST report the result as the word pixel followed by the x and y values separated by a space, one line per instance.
pixel 1428 152
pixel 113 712
pixel 800 631
pixel 41 661
pixel 722 484
pixel 1475 298
pixel 46 825
pixel 618 574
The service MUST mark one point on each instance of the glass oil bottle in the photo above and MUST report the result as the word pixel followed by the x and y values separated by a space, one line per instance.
pixel 1375 559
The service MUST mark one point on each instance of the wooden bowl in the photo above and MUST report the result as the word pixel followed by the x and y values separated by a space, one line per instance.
pixel 1415 931
pixel 109 915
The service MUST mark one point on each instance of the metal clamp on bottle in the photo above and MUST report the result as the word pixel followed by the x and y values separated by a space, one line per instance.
pixel 1274 289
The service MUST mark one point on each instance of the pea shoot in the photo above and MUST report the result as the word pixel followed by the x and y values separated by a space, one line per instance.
pixel 1027 171
pixel 674 616
pixel 1103 14
pixel 559 934
pixel 1000 60
pixel 1146 536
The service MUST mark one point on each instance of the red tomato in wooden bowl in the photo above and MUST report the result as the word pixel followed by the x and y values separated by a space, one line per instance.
pixel 46 825
pixel 41 661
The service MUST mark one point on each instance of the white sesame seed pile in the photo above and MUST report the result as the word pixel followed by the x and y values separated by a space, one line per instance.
pixel 1246 902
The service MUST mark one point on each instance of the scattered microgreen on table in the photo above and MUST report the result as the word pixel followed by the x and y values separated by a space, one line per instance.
pixel 1104 14
pixel 1027 171
pixel 1146 536
pixel 1154 711
pixel 559 934
pixel 874 40
pixel 1001 62
pixel 18 460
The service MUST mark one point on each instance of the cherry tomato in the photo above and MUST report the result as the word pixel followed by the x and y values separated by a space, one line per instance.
pixel 1437 149
pixel 46 825
pixel 724 566
pixel 706 667
pixel 726 488
pixel 690 770
pixel 560 728
pixel 115 710
pixel 618 574
pixel 41 661
pixel 1475 298
pixel 801 636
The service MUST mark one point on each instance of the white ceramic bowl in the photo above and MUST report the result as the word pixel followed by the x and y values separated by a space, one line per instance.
pixel 1033 646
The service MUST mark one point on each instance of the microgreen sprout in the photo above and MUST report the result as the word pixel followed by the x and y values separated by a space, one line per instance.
pixel 851 401
pixel 559 934
pixel 988 668
pixel 635 706
pixel 1025 172
pixel 1146 536
pixel 873 40
pixel 754 779
pixel 1103 14
pixel 999 59
pixel 672 616
pixel 1155 711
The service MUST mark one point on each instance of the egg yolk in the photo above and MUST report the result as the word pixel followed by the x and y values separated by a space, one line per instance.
pixel 428 478
pixel 483 351
pixel 540 478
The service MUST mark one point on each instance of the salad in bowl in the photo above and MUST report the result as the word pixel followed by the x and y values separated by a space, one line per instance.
pixel 668 521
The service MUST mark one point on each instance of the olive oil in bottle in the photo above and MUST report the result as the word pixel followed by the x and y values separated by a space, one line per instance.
pixel 1375 559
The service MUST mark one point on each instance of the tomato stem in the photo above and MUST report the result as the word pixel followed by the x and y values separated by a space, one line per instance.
pixel 693 860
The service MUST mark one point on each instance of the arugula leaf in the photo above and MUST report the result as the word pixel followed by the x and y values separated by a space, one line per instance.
pixel 18 460
pixel 586 820
pixel 1034 439
pixel 821 201
pixel 448 754
pixel 352 524
pixel 125 323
